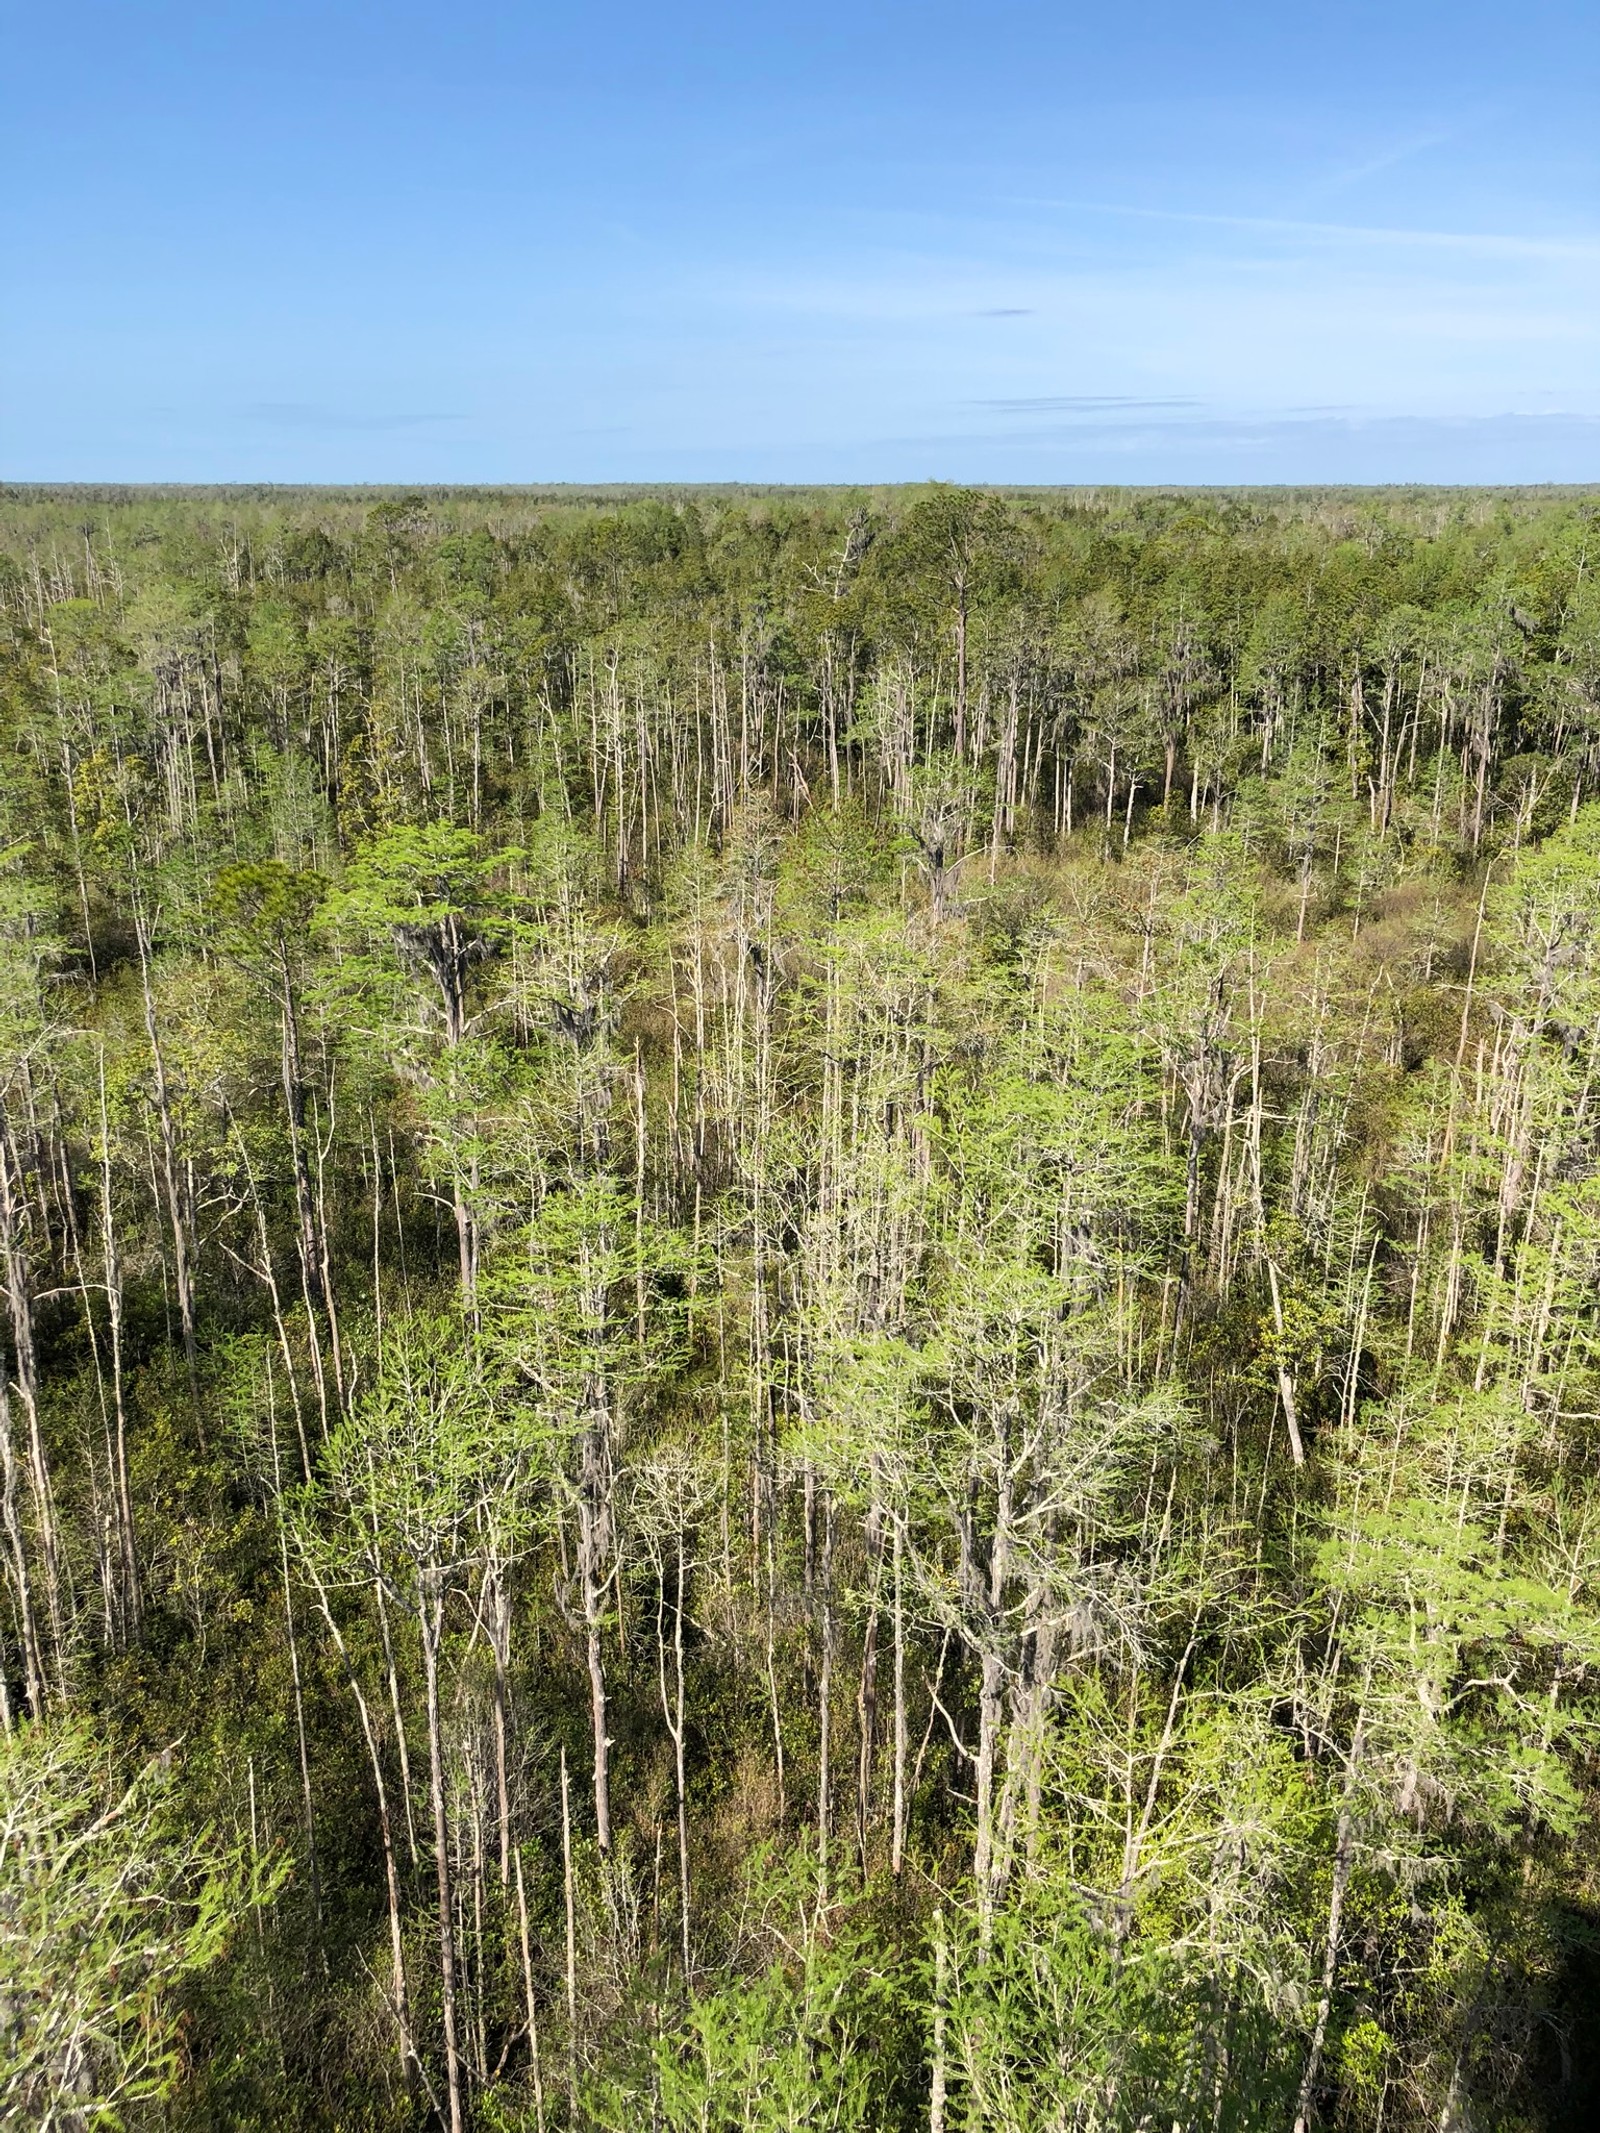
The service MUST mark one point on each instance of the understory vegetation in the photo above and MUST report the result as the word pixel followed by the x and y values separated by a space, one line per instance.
pixel 800 1314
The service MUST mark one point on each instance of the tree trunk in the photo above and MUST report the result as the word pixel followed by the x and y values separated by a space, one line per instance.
pixel 172 1177
pixel 592 1508
pixel 897 1851
pixel 19 1297
pixel 33 1672
pixel 1343 1861
pixel 430 1618
pixel 391 1869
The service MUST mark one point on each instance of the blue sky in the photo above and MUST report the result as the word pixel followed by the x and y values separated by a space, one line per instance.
pixel 354 241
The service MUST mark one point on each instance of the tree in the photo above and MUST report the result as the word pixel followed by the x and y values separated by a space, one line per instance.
pixel 424 905
pixel 953 535
pixel 409 1482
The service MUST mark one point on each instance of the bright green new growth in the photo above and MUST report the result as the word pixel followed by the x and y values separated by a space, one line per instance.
pixel 110 1899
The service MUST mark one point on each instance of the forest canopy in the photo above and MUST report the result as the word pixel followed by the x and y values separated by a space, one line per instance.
pixel 800 1312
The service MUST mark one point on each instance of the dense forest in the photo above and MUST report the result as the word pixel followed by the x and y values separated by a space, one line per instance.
pixel 801 1312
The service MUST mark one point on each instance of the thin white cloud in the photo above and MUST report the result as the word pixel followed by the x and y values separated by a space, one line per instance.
pixel 1486 244
pixel 1353 174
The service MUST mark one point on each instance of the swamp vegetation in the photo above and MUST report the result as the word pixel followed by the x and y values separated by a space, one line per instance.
pixel 800 1315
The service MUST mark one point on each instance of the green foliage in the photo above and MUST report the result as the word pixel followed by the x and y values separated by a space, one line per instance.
pixel 110 1900
pixel 1051 2023
pixel 799 2037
